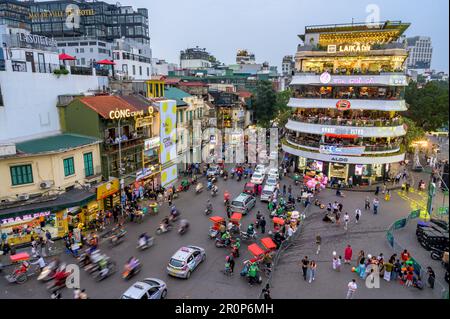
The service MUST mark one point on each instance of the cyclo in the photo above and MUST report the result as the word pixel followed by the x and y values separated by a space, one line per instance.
pixel 22 272
pixel 214 229
pixel 251 267
pixel 235 219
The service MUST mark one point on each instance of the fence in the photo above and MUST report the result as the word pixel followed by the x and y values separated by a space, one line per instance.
pixel 440 290
pixel 283 247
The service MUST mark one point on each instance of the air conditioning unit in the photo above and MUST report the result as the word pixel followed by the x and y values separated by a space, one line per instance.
pixel 46 184
pixel 23 196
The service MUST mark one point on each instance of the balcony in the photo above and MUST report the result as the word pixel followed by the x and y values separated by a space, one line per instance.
pixel 393 79
pixel 360 131
pixel 79 70
pixel 358 104
pixel 113 146
pixel 361 122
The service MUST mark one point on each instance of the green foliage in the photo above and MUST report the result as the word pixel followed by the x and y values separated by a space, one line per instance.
pixel 414 133
pixel 57 72
pixel 283 112
pixel 264 103
pixel 428 106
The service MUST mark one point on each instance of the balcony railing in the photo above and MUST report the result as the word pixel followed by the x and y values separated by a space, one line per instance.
pixel 367 148
pixel 131 142
pixel 79 70
pixel 374 47
pixel 349 122
pixel 347 95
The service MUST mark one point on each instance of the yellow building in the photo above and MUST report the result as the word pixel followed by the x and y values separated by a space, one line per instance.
pixel 44 181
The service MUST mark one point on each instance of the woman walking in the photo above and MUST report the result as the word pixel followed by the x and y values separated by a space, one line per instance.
pixel 312 271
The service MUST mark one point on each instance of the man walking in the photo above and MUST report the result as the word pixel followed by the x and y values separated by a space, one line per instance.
pixel 367 203
pixel 346 220
pixel 305 265
pixel 318 242
pixel 376 204
pixel 352 287
pixel 358 214
pixel 262 224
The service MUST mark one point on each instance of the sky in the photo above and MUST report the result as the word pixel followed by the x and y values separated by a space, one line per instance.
pixel 269 28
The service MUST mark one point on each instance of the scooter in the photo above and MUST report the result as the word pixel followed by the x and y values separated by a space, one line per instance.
pixel 199 188
pixel 111 268
pixel 214 192
pixel 220 243
pixel 246 236
pixel 208 211
pixel 160 230
pixel 49 271
pixel 143 245
pixel 183 229
pixel 129 273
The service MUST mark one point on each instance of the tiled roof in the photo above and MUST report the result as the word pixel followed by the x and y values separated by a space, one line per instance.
pixel 139 102
pixel 177 95
pixel 196 83
pixel 171 80
pixel 244 94
pixel 105 104
pixel 55 143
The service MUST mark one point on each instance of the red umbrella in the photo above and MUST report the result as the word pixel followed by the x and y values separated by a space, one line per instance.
pixel 106 62
pixel 65 57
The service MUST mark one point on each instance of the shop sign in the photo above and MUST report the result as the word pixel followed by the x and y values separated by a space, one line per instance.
pixel 348 48
pixel 343 131
pixel 107 189
pixel 37 39
pixel 24 218
pixel 120 114
pixel 339 159
pixel 60 14
pixel 336 150
pixel 151 143
pixel 145 172
pixel 325 78
pixel 343 105
pixel 354 80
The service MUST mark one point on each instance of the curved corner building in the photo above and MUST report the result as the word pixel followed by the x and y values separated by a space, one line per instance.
pixel 348 94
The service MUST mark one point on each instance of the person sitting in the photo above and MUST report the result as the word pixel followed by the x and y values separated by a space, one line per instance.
pixel 226 237
pixel 143 240
pixel 250 230
pixel 417 283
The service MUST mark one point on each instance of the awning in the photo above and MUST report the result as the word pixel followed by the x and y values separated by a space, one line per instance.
pixel 345 136
pixel 255 250
pixel 236 217
pixel 75 197
pixel 216 219
pixel 106 62
pixel 268 243
pixel 64 57
pixel 278 220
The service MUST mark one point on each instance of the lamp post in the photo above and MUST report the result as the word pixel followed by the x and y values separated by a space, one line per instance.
pixel 120 168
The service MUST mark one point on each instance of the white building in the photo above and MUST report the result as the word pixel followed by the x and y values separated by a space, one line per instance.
pixel 195 58
pixel 86 50
pixel 245 57
pixel 29 89
pixel 161 67
pixel 132 59
pixel 420 52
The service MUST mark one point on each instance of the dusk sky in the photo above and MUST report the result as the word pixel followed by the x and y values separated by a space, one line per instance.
pixel 269 28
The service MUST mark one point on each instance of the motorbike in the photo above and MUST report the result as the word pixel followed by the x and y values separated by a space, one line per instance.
pixel 129 273
pixel 117 237
pixel 144 244
pixel 21 275
pixel 226 202
pixel 246 236
pixel 437 254
pixel 160 229
pixel 182 229
pixel 173 217
pixel 214 192
pixel 59 281
pixel 101 274
pixel 208 211
pixel 220 243
pixel 235 252
pixel 49 271
pixel 199 188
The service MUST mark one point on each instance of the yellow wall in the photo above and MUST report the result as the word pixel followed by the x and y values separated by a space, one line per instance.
pixel 46 167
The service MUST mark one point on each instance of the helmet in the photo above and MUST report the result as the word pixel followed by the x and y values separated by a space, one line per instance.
pixel 238 239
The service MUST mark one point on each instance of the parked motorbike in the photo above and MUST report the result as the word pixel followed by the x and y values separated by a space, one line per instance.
pixel 246 236
pixel 437 254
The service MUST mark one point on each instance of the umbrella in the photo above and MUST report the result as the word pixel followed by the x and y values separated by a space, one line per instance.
pixel 106 62
pixel 65 57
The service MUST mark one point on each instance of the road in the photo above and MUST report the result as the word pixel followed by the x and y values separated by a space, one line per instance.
pixel 207 281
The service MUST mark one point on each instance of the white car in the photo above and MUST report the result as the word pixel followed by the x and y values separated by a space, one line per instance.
pixel 273 172
pixel 257 178
pixel 260 168
pixel 149 288
pixel 271 181
pixel 185 260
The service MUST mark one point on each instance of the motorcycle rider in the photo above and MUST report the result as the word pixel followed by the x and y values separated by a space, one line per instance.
pixel 226 197
pixel 236 245
pixel 132 263
pixel 209 207
pixel 258 218
pixel 103 265
pixel 250 230
pixel 215 189
pixel 164 224
pixel 143 240
pixel 226 238
pixel 184 224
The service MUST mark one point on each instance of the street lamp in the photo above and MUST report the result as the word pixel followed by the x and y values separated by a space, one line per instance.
pixel 120 168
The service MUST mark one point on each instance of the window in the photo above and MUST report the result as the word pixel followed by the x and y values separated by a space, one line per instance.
pixel 82 50
pixel 148 71
pixel 88 165
pixel 91 50
pixel 69 167
pixel 134 70
pixel 22 174
pixel 83 61
pixel 140 70
pixel 180 116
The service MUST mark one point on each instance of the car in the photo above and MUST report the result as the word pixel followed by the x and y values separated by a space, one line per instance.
pixel 185 261
pixel 257 178
pixel 273 172
pixel 213 171
pixel 260 168
pixel 267 192
pixel 271 181
pixel 243 203
pixel 149 288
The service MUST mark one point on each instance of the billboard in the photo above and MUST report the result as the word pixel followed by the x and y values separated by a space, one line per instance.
pixel 168 130
pixel 169 175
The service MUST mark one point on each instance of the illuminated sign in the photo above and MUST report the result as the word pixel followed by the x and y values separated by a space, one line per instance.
pixel 37 39
pixel 343 131
pixel 348 48
pixel 24 218
pixel 343 105
pixel 60 14
pixel 119 114
pixel 336 150
pixel 151 143
pixel 325 78
pixel 354 80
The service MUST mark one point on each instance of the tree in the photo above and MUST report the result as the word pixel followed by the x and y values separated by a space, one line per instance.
pixel 283 112
pixel 413 133
pixel 428 106
pixel 264 103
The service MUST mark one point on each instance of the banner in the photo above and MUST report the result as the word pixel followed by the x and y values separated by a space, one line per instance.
pixel 168 130
pixel 169 175
pixel 336 150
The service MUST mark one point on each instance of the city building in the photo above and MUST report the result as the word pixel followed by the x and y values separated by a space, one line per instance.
pixel 86 50
pixel 15 14
pixel 43 178
pixel 287 65
pixel 161 67
pixel 133 59
pixel 420 52
pixel 348 94
pixel 196 58
pixel 29 66
pixel 245 57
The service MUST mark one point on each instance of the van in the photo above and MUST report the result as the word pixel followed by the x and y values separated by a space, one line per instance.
pixel 267 192
pixel 243 203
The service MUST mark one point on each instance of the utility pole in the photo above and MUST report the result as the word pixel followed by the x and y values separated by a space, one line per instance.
pixel 120 168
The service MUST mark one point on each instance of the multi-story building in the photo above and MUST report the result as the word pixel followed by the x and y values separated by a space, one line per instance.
pixel 287 65
pixel 348 94
pixel 245 57
pixel 195 58
pixel 132 59
pixel 15 14
pixel 420 52
pixel 86 50
pixel 161 67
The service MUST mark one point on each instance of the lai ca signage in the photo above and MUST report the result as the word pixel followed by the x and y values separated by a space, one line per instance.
pixel 348 48
pixel 24 218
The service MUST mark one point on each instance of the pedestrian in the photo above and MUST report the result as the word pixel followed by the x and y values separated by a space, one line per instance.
pixel 361 257
pixel 231 262
pixel 40 261
pixel 367 203
pixel 405 255
pixel 376 204
pixel 431 277
pixel 396 271
pixel 115 216
pixel 340 207
pixel 262 223
pixel 348 252
pixel 259 189
pixel 350 182
pixel 266 292
pixel 338 218
pixel 339 263
pixel 318 243
pixel 377 190
pixel 358 214
pixel 346 220
pixel 312 271
pixel 83 294
pixel 388 267
pixel 284 190
pixel 305 265
pixel 409 279
pixel 352 287
pixel 290 189
pixel 387 196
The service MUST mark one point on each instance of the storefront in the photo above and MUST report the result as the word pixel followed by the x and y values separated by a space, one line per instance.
pixel 108 196
pixel 150 174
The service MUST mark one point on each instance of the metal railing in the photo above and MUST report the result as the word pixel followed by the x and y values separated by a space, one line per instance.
pixel 348 122
pixel 79 70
